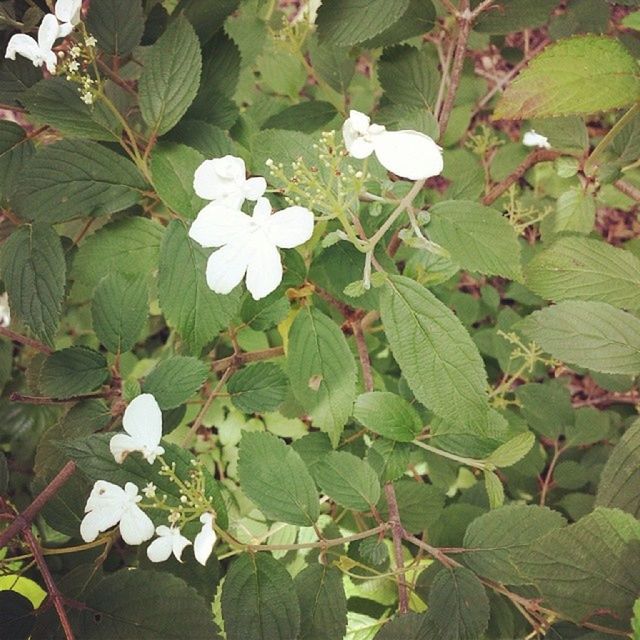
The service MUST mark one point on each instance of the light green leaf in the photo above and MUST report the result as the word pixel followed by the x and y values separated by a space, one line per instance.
pixel 494 489
pixel 594 335
pixel 174 380
pixel 258 388
pixel 322 371
pixel 586 269
pixel 170 77
pixel 389 458
pixel 119 309
pixel 478 238
pixel 418 19
pixel 34 273
pixel 117 25
pixel 575 211
pixel 510 452
pixel 72 371
pixel 275 478
pixel 580 75
pixel 388 415
pixel 436 354
pixel 347 480
pixel 259 601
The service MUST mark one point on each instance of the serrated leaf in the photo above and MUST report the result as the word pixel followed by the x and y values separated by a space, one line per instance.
pixel 117 25
pixel 119 309
pixel 258 388
pixel 275 478
pixel 306 117
pixel 333 64
pixel 435 353
pixel 580 75
pixel 259 600
pixel 69 179
pixel 15 151
pixel 419 504
pixel 16 76
pixel 196 312
pixel 34 273
pixel 170 77
pixel 477 237
pixel 388 415
pixel 594 335
pixel 494 489
pixel 514 15
pixel 322 371
pixel 174 380
pixel 347 480
pixel 389 458
pixel 207 17
pixel 73 371
pixel 585 269
pixel 546 407
pixel 417 20
pixel 575 211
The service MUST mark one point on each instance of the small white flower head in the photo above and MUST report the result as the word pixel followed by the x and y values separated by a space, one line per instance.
pixel 533 139
pixel 5 312
pixel 68 13
pixel 38 51
pixel 149 490
pixel 203 544
pixel 91 41
pixel 109 505
pixel 408 154
pixel 169 541
pixel 225 181
pixel 142 422
pixel 249 244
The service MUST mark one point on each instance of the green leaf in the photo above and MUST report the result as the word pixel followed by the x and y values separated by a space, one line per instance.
pixel 174 380
pixel 170 77
pixel 581 75
pixel 388 415
pixel 273 475
pixel 259 600
pixel 4 474
pixel 16 615
pixel 72 371
pixel 514 15
pixel 575 211
pixel 494 489
pixel 546 407
pixel 322 371
pixel 209 140
pixel 73 178
pixel 588 567
pixel 323 604
pixel 207 17
pixel 407 626
pixel 119 309
pixel 458 605
pixel 389 458
pixel 306 117
pixel 418 19
pixel 594 335
pixel 15 151
pixel 435 353
pixel 513 451
pixel 586 269
pixel 129 246
pixel 419 504
pixel 333 64
pixel 620 478
pixel 258 388
pixel 172 169
pixel 34 272
pixel 196 312
pixel 491 550
pixel 117 25
pixel 57 102
pixel 478 238
pixel 347 480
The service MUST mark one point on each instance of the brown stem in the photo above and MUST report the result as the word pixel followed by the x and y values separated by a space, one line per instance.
pixel 628 189
pixel 243 358
pixel 115 77
pixel 346 310
pixel 397 533
pixel 19 397
pixel 29 342
pixel 24 519
pixel 363 354
pixel 548 478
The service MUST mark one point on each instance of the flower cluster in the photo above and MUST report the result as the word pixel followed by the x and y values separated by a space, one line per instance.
pixel 76 65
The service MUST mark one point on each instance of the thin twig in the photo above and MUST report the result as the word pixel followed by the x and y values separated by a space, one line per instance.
pixel 548 478
pixel 29 342
pixel 239 359
pixel 363 354
pixel 19 397
pixel 397 533
pixel 628 189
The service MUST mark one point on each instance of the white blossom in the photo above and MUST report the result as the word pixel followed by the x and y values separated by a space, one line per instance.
pixel 203 544
pixel 408 154
pixel 142 422
pixel 109 505
pixel 533 139
pixel 5 312
pixel 224 180
pixel 249 244
pixel 169 541
pixel 38 51
pixel 68 13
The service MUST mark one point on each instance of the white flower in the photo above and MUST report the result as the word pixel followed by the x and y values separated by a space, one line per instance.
pixel 225 180
pixel 109 505
pixel 533 139
pixel 142 421
pixel 149 490
pixel 169 541
pixel 39 52
pixel 5 312
pixel 249 244
pixel 408 154
pixel 68 13
pixel 87 97
pixel 91 41
pixel 203 544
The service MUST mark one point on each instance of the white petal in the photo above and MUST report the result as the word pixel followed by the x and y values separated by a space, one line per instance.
pixel 254 188
pixel 50 60
pixel 65 29
pixel 221 178
pixel 264 272
pixel 355 142
pixel 121 444
pixel 409 154
pixel 180 543
pixel 203 544
pixel 68 11
pixel 95 522
pixel 218 224
pixel 262 210
pixel 142 420
pixel 359 121
pixel 230 168
pixel 106 495
pixel 23 45
pixel 226 266
pixel 150 454
pixel 534 139
pixel 135 525
pixel 47 32
pixel 160 549
pixel 290 227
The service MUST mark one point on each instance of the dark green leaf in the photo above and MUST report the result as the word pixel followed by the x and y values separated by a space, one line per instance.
pixel 117 25
pixel 420 504
pixel 258 388
pixel 16 616
pixel 72 371
pixel 15 151
pixel 514 15
pixel 306 117
pixel 175 380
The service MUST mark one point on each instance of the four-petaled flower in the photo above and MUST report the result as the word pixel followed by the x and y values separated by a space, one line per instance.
pixel 203 544
pixel 534 139
pixel 169 541
pixel 249 244
pixel 224 180
pixel 38 51
pixel 408 154
pixel 142 422
pixel 68 13
pixel 109 505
